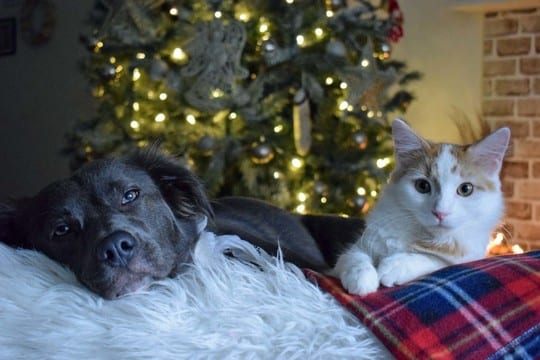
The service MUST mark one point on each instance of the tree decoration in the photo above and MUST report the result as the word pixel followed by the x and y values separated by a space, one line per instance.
pixel 284 100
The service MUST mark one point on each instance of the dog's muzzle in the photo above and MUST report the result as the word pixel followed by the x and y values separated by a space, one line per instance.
pixel 117 249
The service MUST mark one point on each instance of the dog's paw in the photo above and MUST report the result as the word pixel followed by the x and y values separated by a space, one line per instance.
pixel 397 269
pixel 360 280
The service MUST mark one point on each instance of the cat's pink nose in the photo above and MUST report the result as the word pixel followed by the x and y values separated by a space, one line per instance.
pixel 440 215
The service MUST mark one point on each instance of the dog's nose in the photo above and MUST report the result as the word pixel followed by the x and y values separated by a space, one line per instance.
pixel 116 249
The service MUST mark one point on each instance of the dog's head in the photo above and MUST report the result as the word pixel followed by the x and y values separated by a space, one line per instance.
pixel 117 223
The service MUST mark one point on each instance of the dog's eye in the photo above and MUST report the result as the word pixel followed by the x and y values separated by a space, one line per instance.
pixel 61 230
pixel 130 196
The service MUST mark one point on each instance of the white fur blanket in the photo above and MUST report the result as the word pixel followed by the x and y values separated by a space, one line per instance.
pixel 221 308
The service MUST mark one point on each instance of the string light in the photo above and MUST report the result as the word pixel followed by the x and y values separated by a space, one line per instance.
pixel 343 105
pixel 381 163
pixel 318 32
pixel 218 14
pixel 297 163
pixel 289 1
pixel 302 196
pixel 136 74
pixel 263 28
pixel 178 54
pixel 173 11
pixel 364 63
pixel 243 17
pixel 136 106
pixel 112 59
pixel 324 200
pixel 163 96
pixel 300 40
pixel 140 56
pixel 160 117
pixel 329 80
pixel 329 13
pixel 216 93
pixel 276 175
pixel 278 128
pixel 370 114
pixel 233 115
pixel 361 191
pixel 373 193
pixel 134 124
pixel 301 209
pixel 343 85
pixel 191 119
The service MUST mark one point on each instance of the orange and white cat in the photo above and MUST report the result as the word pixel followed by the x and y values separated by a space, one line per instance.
pixel 439 208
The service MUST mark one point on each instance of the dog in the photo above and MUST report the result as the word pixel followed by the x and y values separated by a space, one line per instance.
pixel 121 223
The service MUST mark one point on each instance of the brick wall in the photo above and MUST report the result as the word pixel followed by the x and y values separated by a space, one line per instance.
pixel 512 98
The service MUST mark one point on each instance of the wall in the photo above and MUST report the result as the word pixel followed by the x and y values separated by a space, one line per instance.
pixel 42 92
pixel 512 98
pixel 446 46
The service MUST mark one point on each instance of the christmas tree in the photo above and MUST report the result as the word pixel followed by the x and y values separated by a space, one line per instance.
pixel 282 100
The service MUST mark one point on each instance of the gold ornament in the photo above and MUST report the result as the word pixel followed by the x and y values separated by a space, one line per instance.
pixel 261 153
pixel 302 122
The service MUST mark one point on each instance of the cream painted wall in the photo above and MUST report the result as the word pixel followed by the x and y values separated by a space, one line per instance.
pixel 446 46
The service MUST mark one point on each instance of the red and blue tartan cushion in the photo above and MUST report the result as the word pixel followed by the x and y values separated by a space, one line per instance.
pixel 487 309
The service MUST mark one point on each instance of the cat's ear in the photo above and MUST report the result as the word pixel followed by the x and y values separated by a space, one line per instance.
pixel 405 139
pixel 489 152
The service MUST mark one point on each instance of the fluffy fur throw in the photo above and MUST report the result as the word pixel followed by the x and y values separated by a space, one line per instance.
pixel 221 308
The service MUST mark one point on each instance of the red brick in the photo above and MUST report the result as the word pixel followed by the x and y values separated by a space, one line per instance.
pixel 498 107
pixel 527 231
pixel 507 188
pixel 536 86
pixel 530 24
pixel 536 127
pixel 537 212
pixel 519 210
pixel 530 66
pixel 512 87
pixel 527 148
pixel 536 169
pixel 487 88
pixel 499 67
pixel 529 107
pixel 519 128
pixel 529 190
pixel 514 169
pixel 488 47
pixel 537 44
pixel 518 46
pixel 497 27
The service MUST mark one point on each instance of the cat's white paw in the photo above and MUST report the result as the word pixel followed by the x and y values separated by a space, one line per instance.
pixel 360 280
pixel 397 269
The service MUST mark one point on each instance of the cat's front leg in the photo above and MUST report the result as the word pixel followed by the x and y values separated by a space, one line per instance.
pixel 400 268
pixel 356 271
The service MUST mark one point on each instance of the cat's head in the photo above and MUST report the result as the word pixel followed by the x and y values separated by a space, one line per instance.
pixel 446 186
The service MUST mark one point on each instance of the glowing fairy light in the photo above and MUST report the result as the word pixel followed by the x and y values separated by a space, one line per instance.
pixel 112 60
pixel 370 114
pixel 276 175
pixel 329 80
pixel 318 32
pixel 218 14
pixel 343 105
pixel 361 191
pixel 136 74
pixel 302 196
pixel 173 11
pixel 343 85
pixel 300 40
pixel 190 118
pixel 233 115
pixel 381 163
pixel 364 63
pixel 140 56
pixel 278 128
pixel 163 96
pixel 178 54
pixel 134 124
pixel 160 117
pixel 263 28
pixel 324 200
pixel 373 193
pixel 289 1
pixel 217 93
pixel 136 106
pixel 297 163
pixel 301 209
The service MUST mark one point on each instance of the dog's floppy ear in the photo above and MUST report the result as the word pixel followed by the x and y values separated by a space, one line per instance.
pixel 10 231
pixel 182 190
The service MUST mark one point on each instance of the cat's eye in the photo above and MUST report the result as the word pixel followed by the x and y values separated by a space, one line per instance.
pixel 465 189
pixel 130 196
pixel 61 230
pixel 422 186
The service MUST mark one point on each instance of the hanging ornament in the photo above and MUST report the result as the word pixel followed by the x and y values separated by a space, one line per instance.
pixel 158 69
pixel 396 17
pixel 358 203
pixel 320 188
pixel 360 140
pixel 261 153
pixel 108 72
pixel 336 48
pixel 383 51
pixel 206 145
pixel 302 122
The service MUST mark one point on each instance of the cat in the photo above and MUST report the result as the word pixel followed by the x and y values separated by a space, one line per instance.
pixel 439 207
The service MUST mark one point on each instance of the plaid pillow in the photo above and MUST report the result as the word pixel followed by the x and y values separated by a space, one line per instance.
pixel 487 309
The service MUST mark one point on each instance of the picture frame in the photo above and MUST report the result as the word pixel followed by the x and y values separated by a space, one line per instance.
pixel 8 36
